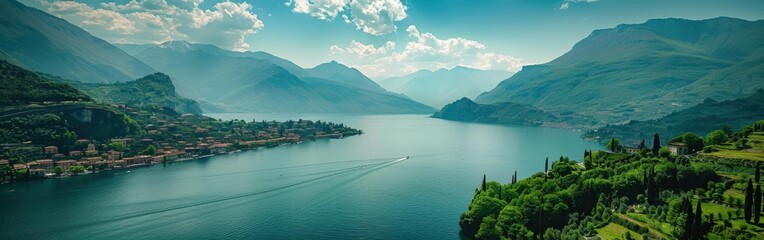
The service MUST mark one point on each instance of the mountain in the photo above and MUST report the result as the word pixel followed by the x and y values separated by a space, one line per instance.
pixel 644 71
pixel 152 90
pixel 702 119
pixel 23 86
pixel 438 88
pixel 466 110
pixel 44 43
pixel 260 82
pixel 341 74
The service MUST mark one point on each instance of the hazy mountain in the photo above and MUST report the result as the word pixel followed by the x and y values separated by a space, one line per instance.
pixel 152 90
pixel 341 74
pixel 506 113
pixel 644 71
pixel 438 88
pixel 44 43
pixel 260 82
pixel 702 119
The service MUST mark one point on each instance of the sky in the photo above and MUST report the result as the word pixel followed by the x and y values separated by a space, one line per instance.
pixel 383 38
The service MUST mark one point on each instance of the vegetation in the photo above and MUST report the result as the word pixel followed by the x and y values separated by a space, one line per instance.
pixel 21 86
pixel 627 196
pixel 702 119
pixel 505 113
pixel 154 90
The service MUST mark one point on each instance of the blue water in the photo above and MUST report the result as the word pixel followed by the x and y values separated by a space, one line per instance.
pixel 356 187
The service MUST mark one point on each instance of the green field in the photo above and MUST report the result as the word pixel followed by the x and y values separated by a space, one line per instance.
pixel 615 231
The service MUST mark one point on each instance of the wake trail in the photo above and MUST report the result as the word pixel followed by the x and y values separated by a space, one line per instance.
pixel 189 205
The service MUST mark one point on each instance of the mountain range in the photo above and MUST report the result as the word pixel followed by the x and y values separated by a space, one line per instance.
pixel 41 42
pixel 644 71
pixel 438 88
pixel 260 82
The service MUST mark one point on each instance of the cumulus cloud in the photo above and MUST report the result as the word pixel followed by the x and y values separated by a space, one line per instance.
pixel 566 3
pixel 140 21
pixel 376 17
pixel 424 50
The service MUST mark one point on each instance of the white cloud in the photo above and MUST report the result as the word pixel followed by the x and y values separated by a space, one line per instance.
pixel 225 24
pixel 566 3
pixel 361 50
pixel 423 51
pixel 321 9
pixel 376 17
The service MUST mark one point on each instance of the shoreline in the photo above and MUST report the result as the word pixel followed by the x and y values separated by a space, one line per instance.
pixel 185 159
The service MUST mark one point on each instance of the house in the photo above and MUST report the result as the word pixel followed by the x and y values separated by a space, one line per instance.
pixel 631 150
pixel 66 164
pixel 50 150
pixel 678 148
pixel 113 155
pixel 75 153
pixel 4 162
pixel 91 153
pixel 123 141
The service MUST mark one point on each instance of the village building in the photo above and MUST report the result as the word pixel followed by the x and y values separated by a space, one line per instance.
pixel 50 150
pixel 678 148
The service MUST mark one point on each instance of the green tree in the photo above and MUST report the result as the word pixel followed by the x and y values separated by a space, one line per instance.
pixel 748 206
pixel 58 170
pixel 489 229
pixel 757 204
pixel 717 137
pixel 697 225
pixel 77 169
pixel 150 150
pixel 656 144
pixel 614 145
pixel 117 146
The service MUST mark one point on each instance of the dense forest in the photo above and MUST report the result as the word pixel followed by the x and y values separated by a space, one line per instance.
pixel 652 194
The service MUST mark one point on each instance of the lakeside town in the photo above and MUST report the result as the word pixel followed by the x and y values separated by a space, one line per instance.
pixel 163 136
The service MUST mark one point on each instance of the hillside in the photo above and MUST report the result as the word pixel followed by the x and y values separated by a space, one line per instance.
pixel 152 90
pixel 644 71
pixel 242 82
pixel 21 86
pixel 505 113
pixel 438 88
pixel 702 119
pixel 623 195
pixel 44 43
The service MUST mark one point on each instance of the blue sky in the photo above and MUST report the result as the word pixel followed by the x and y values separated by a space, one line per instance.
pixel 383 37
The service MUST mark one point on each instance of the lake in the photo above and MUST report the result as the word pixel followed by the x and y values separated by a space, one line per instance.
pixel 356 187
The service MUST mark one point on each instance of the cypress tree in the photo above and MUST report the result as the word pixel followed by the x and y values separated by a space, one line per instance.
pixel 656 144
pixel 748 207
pixel 687 210
pixel 500 191
pixel 758 173
pixel 757 204
pixel 697 225
pixel 612 145
pixel 642 144
pixel 546 168
pixel 651 186
pixel 482 186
